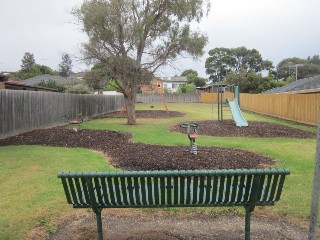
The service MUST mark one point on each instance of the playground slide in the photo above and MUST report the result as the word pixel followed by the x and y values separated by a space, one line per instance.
pixel 237 114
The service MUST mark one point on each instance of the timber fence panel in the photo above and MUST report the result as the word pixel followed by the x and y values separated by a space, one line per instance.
pixel 22 111
pixel 168 97
pixel 301 108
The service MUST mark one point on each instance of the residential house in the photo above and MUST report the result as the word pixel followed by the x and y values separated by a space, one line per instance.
pixel 172 84
pixel 155 86
pixel 306 85
pixel 45 78
pixel 15 85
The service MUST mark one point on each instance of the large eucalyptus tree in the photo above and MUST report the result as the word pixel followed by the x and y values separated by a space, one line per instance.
pixel 132 39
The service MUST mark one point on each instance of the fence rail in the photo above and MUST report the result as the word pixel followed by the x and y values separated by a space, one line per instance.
pixel 22 111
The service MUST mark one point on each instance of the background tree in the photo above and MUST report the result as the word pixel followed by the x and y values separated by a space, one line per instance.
pixel 65 67
pixel 286 69
pixel 250 82
pixel 133 39
pixel 225 60
pixel 96 78
pixel 314 59
pixel 187 88
pixel 193 78
pixel 27 62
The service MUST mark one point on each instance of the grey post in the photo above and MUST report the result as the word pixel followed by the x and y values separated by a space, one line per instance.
pixel 315 191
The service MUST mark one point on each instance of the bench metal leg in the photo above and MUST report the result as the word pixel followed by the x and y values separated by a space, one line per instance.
pixel 99 226
pixel 249 209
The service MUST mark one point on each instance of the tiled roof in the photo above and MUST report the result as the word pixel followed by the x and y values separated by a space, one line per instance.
pixel 300 85
pixel 46 78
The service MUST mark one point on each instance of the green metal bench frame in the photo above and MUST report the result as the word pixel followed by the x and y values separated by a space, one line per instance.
pixel 191 188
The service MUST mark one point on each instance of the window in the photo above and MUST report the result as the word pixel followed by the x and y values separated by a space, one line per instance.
pixel 175 85
pixel 159 85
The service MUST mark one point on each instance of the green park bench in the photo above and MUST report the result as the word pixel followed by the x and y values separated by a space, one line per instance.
pixel 190 188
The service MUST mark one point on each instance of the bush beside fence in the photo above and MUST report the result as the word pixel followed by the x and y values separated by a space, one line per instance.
pixel 22 111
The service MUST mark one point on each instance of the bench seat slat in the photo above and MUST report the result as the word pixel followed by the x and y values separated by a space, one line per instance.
pixel 105 193
pixel 85 191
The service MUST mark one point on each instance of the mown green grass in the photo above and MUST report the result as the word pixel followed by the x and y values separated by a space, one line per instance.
pixel 31 194
pixel 30 191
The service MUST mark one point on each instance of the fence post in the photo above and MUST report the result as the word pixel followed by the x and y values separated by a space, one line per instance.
pixel 315 192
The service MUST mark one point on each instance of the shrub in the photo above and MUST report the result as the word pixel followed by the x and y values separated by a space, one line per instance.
pixel 78 89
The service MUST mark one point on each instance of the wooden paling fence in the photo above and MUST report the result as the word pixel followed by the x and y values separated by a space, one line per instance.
pixel 301 108
pixel 22 111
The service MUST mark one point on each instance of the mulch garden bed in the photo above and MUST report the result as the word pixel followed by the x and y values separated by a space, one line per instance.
pixel 127 155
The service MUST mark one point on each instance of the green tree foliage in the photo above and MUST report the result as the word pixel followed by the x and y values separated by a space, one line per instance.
pixel 133 39
pixel 314 60
pixel 187 88
pixel 192 77
pixel 250 82
pixel 304 68
pixel 65 67
pixel 221 61
pixel 27 62
pixel 78 89
pixel 34 71
pixel 52 84
pixel 96 78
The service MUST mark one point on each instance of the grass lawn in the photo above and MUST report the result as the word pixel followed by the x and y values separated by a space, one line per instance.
pixel 31 194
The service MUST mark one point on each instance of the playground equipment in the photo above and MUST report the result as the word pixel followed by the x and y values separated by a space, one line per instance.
pixel 237 114
pixel 75 122
pixel 192 131
pixel 233 104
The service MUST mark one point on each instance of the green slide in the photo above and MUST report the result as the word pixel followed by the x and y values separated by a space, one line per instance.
pixel 237 114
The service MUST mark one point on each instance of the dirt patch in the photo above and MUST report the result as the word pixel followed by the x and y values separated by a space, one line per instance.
pixel 164 225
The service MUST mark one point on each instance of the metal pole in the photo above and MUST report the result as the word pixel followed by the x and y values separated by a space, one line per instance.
pixel 315 192
pixel 99 226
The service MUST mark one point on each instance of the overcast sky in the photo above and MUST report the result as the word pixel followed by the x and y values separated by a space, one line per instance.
pixel 278 29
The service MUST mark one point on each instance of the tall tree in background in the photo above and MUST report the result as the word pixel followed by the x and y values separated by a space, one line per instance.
pixel 133 39
pixel 221 61
pixel 193 78
pixel 304 68
pixel 65 67
pixel 27 62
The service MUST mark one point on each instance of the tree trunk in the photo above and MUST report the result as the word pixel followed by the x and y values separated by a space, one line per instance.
pixel 130 102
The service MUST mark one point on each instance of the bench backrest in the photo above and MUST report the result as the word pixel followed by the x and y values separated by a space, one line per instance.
pixel 173 188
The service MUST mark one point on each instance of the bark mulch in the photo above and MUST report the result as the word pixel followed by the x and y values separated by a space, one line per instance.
pixel 142 114
pixel 138 156
pixel 228 128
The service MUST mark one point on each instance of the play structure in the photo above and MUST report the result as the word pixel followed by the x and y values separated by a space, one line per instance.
pixel 233 104
pixel 192 131
pixel 75 122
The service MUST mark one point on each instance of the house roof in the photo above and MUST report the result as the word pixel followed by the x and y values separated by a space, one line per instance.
pixel 300 86
pixel 180 79
pixel 14 85
pixel 46 78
